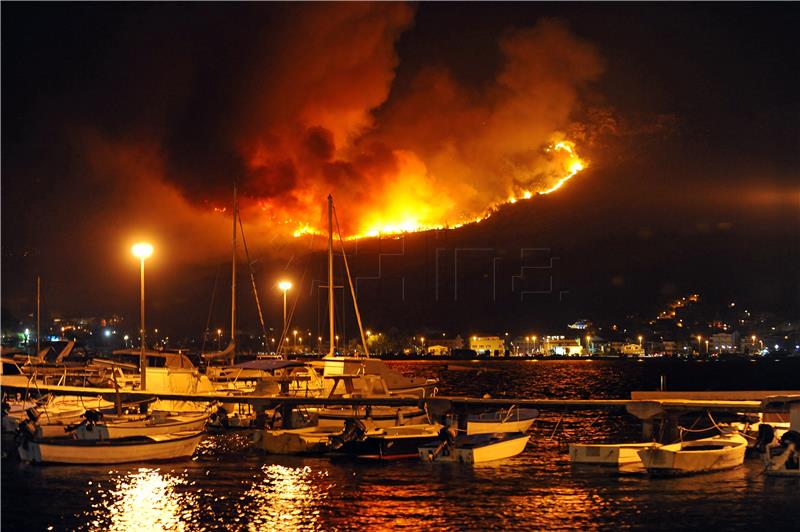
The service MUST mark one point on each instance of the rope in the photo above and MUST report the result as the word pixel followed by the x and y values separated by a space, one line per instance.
pixel 253 281
pixel 350 282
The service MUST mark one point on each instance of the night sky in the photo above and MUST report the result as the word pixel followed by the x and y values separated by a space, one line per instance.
pixel 132 121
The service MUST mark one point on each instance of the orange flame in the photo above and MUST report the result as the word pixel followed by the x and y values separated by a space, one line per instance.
pixel 413 201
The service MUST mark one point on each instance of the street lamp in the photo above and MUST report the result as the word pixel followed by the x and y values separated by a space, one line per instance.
pixel 284 286
pixel 219 339
pixel 142 250
pixel 294 332
pixel 588 344
pixel 699 344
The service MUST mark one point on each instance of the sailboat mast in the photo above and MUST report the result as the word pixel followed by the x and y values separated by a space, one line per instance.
pixel 38 314
pixel 233 270
pixel 330 274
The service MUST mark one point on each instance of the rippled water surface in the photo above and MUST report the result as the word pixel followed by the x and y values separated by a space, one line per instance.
pixel 229 486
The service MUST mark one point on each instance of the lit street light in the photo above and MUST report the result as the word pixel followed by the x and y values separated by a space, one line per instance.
pixel 142 250
pixel 284 286
pixel 699 344
pixel 219 339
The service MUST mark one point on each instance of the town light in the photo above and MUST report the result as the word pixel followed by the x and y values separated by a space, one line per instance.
pixel 142 250
pixel 285 285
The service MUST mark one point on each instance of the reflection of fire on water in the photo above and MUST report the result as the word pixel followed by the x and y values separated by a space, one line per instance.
pixel 145 499
pixel 287 499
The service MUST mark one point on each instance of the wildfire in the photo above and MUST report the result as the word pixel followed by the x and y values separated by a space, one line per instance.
pixel 413 201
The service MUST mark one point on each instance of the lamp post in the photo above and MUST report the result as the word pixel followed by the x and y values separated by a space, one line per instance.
pixel 534 343
pixel 219 339
pixel 295 338
pixel 284 286
pixel 142 250
pixel 699 344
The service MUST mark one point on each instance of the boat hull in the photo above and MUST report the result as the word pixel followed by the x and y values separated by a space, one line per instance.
pixel 520 420
pixel 89 452
pixel 396 443
pixel 311 440
pixel 144 427
pixel 478 449
pixel 614 455
pixel 382 417
pixel 699 456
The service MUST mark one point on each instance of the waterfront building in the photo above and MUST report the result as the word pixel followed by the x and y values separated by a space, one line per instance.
pixel 488 345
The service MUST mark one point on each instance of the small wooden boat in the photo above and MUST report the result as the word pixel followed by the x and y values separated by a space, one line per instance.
pixel 158 447
pixel 616 455
pixel 391 443
pixel 511 420
pixel 725 451
pixel 475 449
pixel 307 440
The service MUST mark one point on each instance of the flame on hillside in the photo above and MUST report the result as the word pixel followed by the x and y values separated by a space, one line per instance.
pixel 407 212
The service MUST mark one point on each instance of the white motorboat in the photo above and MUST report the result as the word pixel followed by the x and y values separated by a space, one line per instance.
pixel 158 447
pixel 725 451
pixel 511 420
pixel 113 427
pixel 613 454
pixel 475 449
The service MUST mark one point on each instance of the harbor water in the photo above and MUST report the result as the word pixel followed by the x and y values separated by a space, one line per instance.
pixel 229 486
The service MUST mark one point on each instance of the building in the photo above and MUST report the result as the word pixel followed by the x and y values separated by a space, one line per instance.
pixel 488 345
pixel 724 342
pixel 559 345
pixel 437 350
pixel 631 350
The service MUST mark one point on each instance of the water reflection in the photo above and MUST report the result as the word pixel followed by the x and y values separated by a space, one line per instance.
pixel 142 499
pixel 286 498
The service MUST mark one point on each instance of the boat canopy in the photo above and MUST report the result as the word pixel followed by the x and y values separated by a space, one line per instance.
pixel 269 364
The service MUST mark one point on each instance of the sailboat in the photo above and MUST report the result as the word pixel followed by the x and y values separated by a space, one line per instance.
pixel 344 373
pixel 397 383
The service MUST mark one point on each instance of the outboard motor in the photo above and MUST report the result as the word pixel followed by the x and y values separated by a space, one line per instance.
pixel 447 439
pixel 766 435
pixel 354 430
pixel 221 415
pixel 27 429
pixel 90 419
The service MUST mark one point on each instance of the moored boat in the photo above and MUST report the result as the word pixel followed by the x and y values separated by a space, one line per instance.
pixel 475 449
pixel 157 447
pixel 307 440
pixel 511 420
pixel 725 451
pixel 612 454
pixel 390 443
